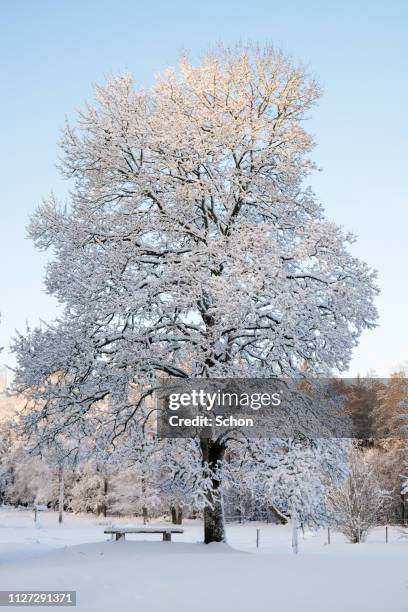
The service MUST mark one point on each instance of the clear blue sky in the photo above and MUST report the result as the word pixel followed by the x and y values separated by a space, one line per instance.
pixel 52 51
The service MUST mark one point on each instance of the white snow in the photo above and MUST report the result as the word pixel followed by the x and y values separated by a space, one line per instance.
pixel 146 574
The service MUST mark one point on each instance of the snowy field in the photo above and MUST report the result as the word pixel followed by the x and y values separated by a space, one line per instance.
pixel 146 574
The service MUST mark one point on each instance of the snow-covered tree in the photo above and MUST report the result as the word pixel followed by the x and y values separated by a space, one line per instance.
pixel 190 247
pixel 356 504
pixel 292 475
pixel 391 408
pixel 88 492
pixel 32 483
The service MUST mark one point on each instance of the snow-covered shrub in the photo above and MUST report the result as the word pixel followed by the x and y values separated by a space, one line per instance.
pixel 88 493
pixel 33 482
pixel 356 504
pixel 133 492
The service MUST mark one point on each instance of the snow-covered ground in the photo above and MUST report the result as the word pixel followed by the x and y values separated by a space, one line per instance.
pixel 146 574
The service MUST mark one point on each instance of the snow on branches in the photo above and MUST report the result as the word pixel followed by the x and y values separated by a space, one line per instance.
pixel 190 246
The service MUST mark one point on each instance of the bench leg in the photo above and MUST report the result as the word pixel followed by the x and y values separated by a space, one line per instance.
pixel 166 536
pixel 119 536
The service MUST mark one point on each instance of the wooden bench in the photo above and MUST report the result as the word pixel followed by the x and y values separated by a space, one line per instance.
pixel 120 532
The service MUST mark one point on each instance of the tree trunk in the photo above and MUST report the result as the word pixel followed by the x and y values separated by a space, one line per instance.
pixel 403 509
pixel 214 527
pixel 280 518
pixel 105 494
pixel 176 515
pixel 61 494
pixel 295 541
pixel 144 508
